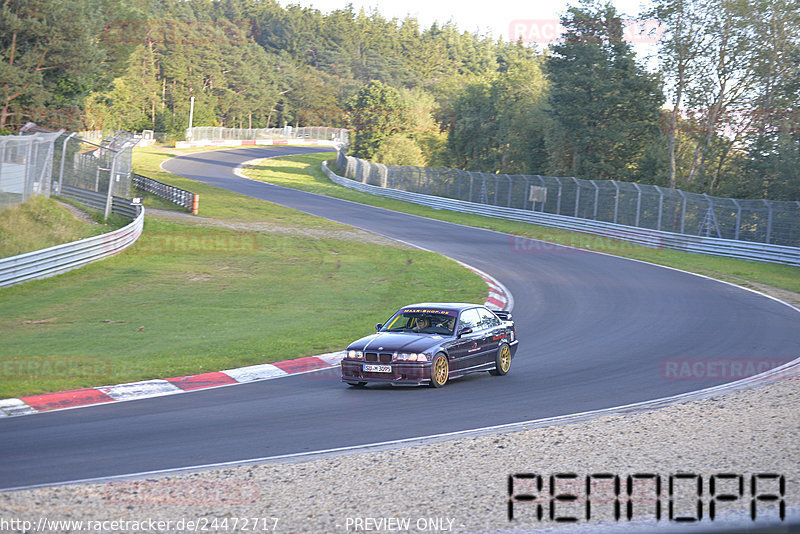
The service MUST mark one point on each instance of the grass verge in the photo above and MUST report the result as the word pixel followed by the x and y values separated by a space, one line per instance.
pixel 304 172
pixel 43 222
pixel 190 298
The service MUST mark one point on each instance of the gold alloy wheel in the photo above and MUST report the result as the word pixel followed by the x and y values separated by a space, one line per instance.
pixel 502 361
pixel 440 372
pixel 505 359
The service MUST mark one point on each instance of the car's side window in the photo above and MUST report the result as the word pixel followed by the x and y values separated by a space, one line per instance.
pixel 469 319
pixel 487 319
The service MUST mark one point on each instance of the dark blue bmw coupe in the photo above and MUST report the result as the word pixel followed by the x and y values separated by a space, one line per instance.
pixel 430 343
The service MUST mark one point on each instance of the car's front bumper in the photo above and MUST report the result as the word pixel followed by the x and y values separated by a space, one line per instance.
pixel 401 373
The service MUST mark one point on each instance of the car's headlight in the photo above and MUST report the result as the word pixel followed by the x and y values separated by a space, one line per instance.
pixel 410 357
pixel 355 354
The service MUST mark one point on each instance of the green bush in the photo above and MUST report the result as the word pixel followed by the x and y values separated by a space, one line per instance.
pixel 399 149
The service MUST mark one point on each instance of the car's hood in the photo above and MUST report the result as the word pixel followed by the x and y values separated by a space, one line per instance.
pixel 396 342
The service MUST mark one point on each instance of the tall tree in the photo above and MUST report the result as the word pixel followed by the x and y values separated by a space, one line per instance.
pixel 729 66
pixel 376 112
pixel 773 146
pixel 499 123
pixel 50 59
pixel 606 103
pixel 473 137
pixel 683 43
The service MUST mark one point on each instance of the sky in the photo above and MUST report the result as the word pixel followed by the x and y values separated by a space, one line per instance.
pixel 534 21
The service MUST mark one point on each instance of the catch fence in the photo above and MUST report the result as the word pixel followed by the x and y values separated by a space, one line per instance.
pixel 58 163
pixel 94 166
pixel 25 167
pixel 624 203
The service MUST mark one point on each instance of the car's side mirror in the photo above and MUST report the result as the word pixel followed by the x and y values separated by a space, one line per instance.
pixel 378 326
pixel 464 331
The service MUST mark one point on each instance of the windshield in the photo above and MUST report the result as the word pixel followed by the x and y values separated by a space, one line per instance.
pixel 422 321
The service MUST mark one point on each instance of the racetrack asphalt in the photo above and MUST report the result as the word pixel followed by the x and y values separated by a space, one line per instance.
pixel 595 331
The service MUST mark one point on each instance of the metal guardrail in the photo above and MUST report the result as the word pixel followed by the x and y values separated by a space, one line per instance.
pixel 176 195
pixel 746 250
pixel 92 199
pixel 61 258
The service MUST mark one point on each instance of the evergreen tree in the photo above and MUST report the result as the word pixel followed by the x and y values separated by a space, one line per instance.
pixel 376 112
pixel 50 59
pixel 606 105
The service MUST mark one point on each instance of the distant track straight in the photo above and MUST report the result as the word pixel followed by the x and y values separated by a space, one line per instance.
pixel 595 331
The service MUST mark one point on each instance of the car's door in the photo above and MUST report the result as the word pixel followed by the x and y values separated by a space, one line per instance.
pixel 492 330
pixel 468 345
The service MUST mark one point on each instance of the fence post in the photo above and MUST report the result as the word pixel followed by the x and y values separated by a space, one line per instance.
pixel 195 204
pixel 577 195
pixel 34 175
pixel 616 200
pixel 427 179
pixel 558 200
pixel 683 211
pixel 660 205
pixel 738 218
pixel 769 220
pixel 2 159
pixel 27 183
pixel 112 171
pixel 596 197
pixel 638 202
pixel 63 157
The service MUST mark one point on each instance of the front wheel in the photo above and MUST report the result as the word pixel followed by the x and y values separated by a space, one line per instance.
pixel 502 361
pixel 440 371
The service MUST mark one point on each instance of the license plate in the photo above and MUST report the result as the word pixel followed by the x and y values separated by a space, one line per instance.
pixel 377 368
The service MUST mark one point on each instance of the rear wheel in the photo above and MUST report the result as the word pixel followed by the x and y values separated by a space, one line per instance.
pixel 440 371
pixel 502 361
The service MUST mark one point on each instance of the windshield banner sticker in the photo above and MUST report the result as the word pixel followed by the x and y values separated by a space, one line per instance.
pixel 451 313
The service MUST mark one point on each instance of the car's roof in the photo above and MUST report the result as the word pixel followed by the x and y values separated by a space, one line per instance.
pixel 444 305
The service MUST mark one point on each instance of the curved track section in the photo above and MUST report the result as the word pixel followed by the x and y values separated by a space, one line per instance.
pixel 596 331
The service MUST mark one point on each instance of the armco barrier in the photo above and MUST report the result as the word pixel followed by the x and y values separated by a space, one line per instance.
pixel 176 195
pixel 61 258
pixel 746 250
pixel 119 205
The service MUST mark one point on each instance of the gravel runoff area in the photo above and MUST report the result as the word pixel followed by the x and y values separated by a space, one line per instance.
pixel 461 485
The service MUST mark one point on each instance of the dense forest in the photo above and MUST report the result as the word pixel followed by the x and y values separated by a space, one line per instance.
pixel 720 114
